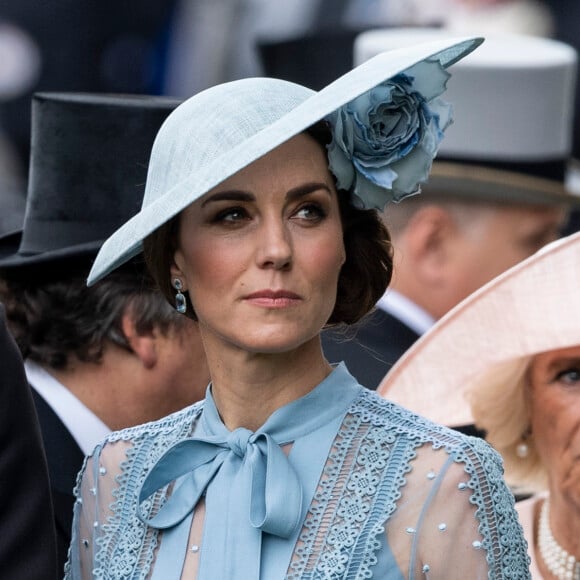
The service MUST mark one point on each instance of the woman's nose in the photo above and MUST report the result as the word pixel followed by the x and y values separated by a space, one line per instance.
pixel 274 246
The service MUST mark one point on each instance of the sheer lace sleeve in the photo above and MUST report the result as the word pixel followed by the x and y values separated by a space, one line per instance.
pixel 95 495
pixel 109 539
pixel 402 498
pixel 455 518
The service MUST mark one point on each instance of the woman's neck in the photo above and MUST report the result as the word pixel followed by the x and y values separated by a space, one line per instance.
pixel 247 387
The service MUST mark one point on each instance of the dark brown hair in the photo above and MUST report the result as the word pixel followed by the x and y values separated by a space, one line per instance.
pixel 54 318
pixel 363 278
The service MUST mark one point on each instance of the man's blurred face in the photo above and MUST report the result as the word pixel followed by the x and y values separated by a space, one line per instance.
pixel 497 241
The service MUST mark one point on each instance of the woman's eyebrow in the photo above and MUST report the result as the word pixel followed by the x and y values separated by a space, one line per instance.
pixel 240 195
pixel 560 363
pixel 307 188
pixel 230 195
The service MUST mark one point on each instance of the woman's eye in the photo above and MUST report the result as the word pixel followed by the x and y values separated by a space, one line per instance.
pixel 310 212
pixel 569 376
pixel 231 215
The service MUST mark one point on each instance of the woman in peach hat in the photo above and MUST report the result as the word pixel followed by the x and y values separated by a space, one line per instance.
pixel 508 359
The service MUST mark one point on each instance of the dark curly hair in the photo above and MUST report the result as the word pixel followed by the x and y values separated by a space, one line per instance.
pixel 363 278
pixel 55 317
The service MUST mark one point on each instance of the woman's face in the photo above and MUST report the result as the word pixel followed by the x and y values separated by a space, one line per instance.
pixel 555 417
pixel 261 253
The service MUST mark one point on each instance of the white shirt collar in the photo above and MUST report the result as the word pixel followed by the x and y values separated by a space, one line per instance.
pixel 85 427
pixel 406 311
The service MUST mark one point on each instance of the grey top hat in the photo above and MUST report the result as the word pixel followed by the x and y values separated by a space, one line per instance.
pixel 89 157
pixel 514 102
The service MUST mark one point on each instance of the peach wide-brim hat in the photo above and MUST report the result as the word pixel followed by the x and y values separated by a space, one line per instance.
pixel 531 308
pixel 216 133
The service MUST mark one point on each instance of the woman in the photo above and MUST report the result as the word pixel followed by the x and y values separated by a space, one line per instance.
pixel 289 468
pixel 508 358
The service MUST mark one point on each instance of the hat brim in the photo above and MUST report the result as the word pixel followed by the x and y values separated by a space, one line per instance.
pixel 126 242
pixel 11 258
pixel 9 244
pixel 477 183
pixel 533 307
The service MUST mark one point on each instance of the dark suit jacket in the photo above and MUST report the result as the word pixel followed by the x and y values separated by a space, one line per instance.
pixel 65 459
pixel 27 537
pixel 371 348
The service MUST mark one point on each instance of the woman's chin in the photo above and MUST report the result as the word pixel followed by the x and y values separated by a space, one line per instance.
pixel 278 343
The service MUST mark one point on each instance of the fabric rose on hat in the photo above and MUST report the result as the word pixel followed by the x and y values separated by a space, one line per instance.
pixel 384 141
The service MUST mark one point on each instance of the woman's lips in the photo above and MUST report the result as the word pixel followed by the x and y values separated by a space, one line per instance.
pixel 273 298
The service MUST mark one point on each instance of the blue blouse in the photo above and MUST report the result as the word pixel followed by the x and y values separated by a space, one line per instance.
pixel 337 484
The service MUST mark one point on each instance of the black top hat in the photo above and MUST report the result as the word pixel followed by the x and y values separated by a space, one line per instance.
pixel 88 166
pixel 313 60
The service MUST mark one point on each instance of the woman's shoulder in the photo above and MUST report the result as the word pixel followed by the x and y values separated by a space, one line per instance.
pixel 130 450
pixel 419 430
pixel 178 424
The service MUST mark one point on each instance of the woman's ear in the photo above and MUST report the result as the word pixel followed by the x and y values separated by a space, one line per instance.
pixel 176 273
pixel 343 255
pixel 176 270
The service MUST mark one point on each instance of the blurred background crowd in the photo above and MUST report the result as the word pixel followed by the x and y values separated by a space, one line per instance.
pixel 178 47
pixel 175 48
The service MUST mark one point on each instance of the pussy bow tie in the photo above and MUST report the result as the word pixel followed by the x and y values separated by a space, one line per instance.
pixel 271 487
pixel 247 478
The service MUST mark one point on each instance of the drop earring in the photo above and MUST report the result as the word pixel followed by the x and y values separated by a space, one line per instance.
pixel 522 448
pixel 180 302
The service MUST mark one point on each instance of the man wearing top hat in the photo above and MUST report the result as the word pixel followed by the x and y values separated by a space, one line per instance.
pixel 495 195
pixel 113 355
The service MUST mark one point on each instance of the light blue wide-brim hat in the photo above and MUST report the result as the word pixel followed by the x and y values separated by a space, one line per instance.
pixel 221 130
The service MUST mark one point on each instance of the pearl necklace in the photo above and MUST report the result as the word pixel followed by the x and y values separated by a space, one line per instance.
pixel 559 562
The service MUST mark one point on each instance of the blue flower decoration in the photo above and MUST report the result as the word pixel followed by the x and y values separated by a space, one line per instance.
pixel 384 141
